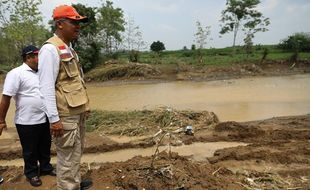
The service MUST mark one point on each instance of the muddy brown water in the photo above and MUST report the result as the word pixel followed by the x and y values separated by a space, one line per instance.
pixel 237 100
pixel 197 151
pixel 244 99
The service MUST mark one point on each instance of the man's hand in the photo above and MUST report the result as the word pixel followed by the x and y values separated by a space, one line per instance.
pixel 57 129
pixel 87 114
pixel 2 126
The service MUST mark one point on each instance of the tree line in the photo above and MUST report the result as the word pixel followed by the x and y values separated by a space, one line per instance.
pixel 109 31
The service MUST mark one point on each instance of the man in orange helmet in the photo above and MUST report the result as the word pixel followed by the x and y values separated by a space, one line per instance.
pixel 64 94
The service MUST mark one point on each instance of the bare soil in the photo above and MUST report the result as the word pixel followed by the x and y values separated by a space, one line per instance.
pixel 137 72
pixel 277 157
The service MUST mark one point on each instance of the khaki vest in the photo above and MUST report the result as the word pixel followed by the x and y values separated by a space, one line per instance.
pixel 71 95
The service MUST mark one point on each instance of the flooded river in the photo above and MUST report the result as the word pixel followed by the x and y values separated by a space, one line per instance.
pixel 237 99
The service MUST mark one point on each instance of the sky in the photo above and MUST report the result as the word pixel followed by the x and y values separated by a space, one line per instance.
pixel 173 22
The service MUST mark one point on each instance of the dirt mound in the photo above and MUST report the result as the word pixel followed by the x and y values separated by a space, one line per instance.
pixel 169 171
pixel 277 157
pixel 148 122
pixel 270 130
pixel 279 153
pixel 239 131
pixel 121 71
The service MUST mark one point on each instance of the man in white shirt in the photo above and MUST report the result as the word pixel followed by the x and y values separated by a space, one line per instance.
pixel 22 83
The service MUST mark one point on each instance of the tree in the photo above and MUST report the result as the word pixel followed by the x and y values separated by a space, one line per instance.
pixel 111 24
pixel 158 46
pixel 201 35
pixel 21 24
pixel 241 14
pixel 132 36
pixel 297 42
pixel 133 40
pixel 88 44
pixel 193 47
pixel 248 44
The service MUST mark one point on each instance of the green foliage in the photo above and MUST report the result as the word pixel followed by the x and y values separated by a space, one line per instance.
pixel 216 56
pixel 21 25
pixel 87 45
pixel 157 46
pixel 243 14
pixel 265 53
pixel 134 56
pixel 248 44
pixel 187 53
pixel 111 23
pixel 299 42
pixel 193 47
pixel 202 35
pixel 296 42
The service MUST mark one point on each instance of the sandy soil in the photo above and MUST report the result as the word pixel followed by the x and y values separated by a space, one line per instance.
pixel 277 157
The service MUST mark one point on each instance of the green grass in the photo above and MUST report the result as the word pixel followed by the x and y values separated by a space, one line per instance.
pixel 215 57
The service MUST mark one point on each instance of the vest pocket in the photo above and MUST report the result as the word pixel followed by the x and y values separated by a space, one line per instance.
pixel 70 67
pixel 75 94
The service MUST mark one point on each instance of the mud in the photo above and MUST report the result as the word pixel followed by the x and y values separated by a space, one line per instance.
pixel 141 72
pixel 277 157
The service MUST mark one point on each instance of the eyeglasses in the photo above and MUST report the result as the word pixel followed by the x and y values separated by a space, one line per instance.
pixel 73 22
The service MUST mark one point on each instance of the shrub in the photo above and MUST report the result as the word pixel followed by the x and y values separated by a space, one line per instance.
pixel 134 56
pixel 299 42
pixel 157 46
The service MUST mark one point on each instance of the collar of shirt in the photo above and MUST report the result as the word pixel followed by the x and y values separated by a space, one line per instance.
pixel 27 68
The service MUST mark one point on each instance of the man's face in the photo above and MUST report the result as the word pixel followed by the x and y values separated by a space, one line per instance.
pixel 32 61
pixel 70 28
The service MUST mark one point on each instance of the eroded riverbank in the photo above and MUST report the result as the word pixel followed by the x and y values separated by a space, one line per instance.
pixel 276 157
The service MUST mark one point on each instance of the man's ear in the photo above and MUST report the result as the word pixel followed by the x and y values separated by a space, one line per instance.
pixel 59 24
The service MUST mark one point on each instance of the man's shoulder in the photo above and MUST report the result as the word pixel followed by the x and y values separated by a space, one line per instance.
pixel 15 70
pixel 48 46
pixel 48 49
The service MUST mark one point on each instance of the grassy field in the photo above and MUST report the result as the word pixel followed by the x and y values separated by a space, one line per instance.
pixel 220 56
pixel 214 56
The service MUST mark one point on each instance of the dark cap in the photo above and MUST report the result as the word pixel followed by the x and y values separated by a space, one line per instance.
pixel 30 50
